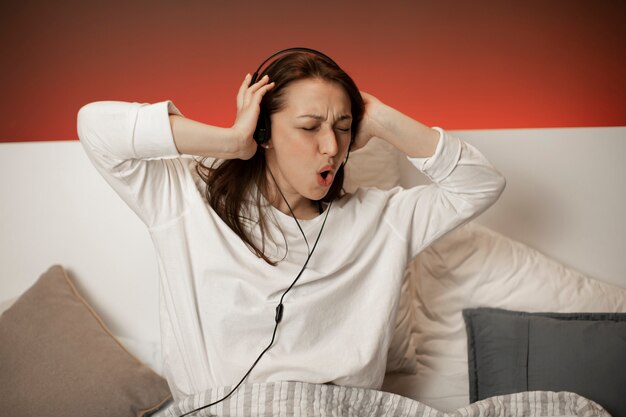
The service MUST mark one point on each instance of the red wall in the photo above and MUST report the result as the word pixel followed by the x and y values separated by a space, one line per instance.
pixel 455 64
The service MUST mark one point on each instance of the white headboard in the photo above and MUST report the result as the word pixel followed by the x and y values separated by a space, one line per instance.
pixel 56 208
pixel 565 196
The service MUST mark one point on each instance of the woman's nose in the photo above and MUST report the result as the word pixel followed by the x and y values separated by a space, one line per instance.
pixel 328 142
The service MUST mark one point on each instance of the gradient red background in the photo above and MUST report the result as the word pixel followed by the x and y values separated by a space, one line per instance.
pixel 455 64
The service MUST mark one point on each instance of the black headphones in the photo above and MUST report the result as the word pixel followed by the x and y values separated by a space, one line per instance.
pixel 263 131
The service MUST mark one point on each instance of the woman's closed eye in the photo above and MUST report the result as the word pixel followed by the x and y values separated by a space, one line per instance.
pixel 317 127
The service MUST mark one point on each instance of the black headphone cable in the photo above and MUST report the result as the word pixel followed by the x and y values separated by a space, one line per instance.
pixel 279 307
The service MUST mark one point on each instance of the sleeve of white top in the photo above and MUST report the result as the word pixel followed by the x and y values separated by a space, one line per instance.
pixel 132 146
pixel 464 184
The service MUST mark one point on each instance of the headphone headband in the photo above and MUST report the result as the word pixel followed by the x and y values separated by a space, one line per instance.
pixel 262 132
pixel 301 49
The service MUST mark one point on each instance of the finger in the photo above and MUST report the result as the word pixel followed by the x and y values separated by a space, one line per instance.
pixel 261 91
pixel 254 87
pixel 256 92
pixel 265 88
pixel 242 89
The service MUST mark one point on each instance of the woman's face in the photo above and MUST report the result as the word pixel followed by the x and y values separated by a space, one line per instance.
pixel 310 138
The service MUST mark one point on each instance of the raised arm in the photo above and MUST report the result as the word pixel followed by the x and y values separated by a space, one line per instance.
pixel 136 147
pixel 195 138
pixel 464 184
pixel 131 146
pixel 411 137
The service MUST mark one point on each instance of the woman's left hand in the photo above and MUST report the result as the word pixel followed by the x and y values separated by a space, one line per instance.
pixel 409 136
pixel 370 125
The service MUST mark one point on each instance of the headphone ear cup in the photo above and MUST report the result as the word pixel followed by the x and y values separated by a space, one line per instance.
pixel 263 132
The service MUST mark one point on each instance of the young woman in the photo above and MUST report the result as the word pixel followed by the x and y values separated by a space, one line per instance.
pixel 268 225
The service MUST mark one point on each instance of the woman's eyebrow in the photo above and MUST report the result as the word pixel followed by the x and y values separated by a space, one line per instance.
pixel 319 117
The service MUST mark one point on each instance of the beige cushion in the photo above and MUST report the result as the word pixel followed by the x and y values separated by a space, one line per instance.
pixel 57 358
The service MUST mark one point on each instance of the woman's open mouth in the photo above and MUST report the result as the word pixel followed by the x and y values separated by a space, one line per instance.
pixel 325 177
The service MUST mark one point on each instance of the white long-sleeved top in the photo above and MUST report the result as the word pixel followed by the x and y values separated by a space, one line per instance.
pixel 218 300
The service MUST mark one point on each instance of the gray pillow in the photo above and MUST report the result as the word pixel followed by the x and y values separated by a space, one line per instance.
pixel 513 351
pixel 57 358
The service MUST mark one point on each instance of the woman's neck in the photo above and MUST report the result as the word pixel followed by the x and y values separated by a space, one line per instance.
pixel 302 207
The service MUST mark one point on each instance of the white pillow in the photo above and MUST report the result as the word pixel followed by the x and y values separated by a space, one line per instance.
pixel 475 266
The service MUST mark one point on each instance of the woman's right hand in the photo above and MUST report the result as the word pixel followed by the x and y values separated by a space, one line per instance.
pixel 248 109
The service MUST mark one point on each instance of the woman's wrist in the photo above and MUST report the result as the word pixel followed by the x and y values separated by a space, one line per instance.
pixel 406 134
pixel 243 146
pixel 380 115
pixel 196 138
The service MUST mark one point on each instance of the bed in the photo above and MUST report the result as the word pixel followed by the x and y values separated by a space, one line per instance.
pixel 523 306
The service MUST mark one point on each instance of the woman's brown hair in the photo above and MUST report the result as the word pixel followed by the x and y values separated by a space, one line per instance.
pixel 229 182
